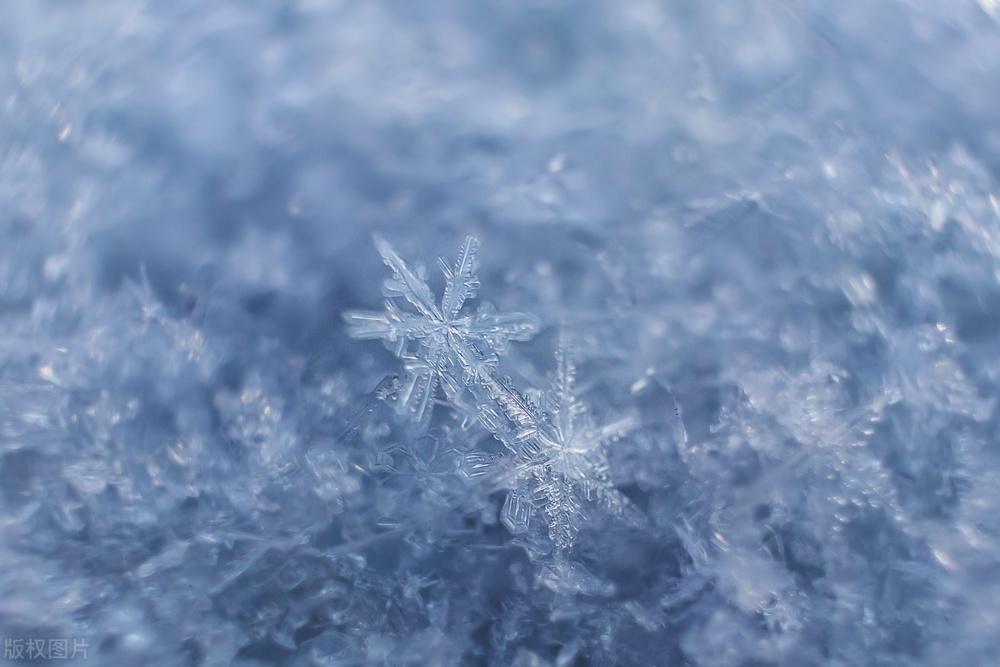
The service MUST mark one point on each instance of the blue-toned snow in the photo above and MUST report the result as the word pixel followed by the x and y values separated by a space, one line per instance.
pixel 771 231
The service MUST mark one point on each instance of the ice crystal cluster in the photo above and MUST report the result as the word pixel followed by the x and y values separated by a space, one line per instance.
pixel 558 450
pixel 707 377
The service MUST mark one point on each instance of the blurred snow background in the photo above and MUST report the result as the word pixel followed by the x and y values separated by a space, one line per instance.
pixel 781 216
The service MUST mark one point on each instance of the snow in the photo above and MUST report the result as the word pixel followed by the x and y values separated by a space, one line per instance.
pixel 710 380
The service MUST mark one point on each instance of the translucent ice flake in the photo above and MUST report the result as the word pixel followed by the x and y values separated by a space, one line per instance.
pixel 557 453
pixel 570 467
pixel 438 344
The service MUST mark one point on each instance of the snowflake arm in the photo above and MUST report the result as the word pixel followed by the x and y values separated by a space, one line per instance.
pixel 497 330
pixel 391 325
pixel 511 417
pixel 494 394
pixel 461 283
pixel 422 378
pixel 554 493
pixel 562 399
pixel 405 282
pixel 600 488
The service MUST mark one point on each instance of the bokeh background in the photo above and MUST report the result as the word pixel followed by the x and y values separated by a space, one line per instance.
pixel 781 216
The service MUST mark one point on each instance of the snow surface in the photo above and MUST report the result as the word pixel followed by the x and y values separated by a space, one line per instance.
pixel 747 415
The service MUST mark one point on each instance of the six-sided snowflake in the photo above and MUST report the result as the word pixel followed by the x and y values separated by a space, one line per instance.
pixel 571 469
pixel 436 341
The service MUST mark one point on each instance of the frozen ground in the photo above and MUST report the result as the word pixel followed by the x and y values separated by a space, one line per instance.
pixel 766 233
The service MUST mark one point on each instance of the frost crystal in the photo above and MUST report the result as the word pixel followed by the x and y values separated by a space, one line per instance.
pixel 558 452
pixel 434 340
pixel 773 233
pixel 570 467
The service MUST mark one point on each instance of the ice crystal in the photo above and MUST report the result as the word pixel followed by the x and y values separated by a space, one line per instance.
pixel 557 459
pixel 435 339
pixel 771 231
pixel 570 468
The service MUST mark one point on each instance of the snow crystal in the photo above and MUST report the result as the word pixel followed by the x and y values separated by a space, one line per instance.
pixel 718 387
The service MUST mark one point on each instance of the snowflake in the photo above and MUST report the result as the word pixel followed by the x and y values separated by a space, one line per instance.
pixel 570 466
pixel 438 343
pixel 558 454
